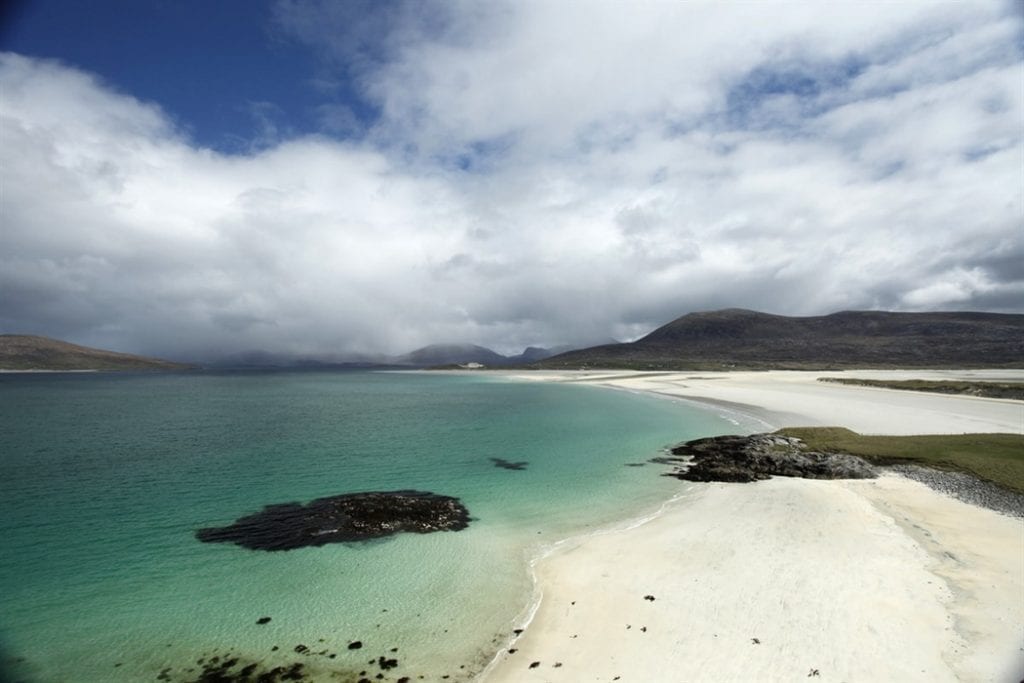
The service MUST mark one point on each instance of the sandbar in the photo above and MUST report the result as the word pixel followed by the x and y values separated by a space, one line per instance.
pixel 786 579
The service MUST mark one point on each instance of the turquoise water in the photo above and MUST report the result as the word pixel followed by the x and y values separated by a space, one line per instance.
pixel 106 477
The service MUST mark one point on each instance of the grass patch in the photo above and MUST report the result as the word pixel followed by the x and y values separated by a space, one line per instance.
pixel 1011 390
pixel 998 458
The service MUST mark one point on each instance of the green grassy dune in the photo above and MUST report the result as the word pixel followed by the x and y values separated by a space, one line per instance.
pixel 998 458
pixel 1010 390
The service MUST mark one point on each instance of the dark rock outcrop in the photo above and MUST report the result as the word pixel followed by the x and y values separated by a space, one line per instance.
pixel 759 456
pixel 341 519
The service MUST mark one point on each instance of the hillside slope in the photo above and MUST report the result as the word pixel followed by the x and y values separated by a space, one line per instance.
pixel 28 352
pixel 736 338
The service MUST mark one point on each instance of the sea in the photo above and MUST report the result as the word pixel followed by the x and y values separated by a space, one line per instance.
pixel 106 477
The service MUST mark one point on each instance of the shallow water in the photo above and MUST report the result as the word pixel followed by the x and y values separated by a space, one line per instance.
pixel 106 477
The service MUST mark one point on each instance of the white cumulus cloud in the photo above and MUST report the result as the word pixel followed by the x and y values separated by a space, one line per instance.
pixel 539 173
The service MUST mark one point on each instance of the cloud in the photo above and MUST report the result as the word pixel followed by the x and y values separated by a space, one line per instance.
pixel 533 174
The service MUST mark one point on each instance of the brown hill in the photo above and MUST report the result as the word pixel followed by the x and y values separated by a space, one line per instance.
pixel 28 352
pixel 735 338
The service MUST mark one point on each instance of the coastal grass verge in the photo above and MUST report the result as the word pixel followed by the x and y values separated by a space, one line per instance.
pixel 1010 390
pixel 998 458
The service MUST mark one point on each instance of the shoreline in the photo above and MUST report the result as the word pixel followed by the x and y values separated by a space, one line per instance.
pixel 795 398
pixel 938 607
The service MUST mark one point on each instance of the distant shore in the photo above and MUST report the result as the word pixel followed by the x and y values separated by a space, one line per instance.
pixel 777 580
pixel 49 372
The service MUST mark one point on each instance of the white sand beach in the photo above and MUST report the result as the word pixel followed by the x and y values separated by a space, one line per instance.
pixel 869 580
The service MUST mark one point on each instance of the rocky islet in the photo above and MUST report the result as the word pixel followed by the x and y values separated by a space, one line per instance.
pixel 341 519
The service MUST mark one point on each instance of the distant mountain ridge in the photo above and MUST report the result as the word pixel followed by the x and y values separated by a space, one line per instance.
pixel 31 352
pixel 738 338
pixel 726 339
pixel 463 354
pixel 433 355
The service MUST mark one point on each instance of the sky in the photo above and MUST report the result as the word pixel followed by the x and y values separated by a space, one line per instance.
pixel 194 179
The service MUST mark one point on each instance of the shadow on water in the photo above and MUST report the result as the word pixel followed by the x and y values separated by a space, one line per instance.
pixel 14 669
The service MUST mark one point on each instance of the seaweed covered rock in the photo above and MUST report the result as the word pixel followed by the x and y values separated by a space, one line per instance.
pixel 759 456
pixel 341 519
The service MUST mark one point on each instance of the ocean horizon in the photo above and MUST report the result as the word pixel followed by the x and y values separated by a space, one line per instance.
pixel 107 477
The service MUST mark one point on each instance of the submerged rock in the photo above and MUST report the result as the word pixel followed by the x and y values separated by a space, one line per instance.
pixel 759 456
pixel 341 519
pixel 509 465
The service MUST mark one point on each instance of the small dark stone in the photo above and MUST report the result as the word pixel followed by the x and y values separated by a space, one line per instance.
pixel 263 620
pixel 294 673
pixel 518 631
pixel 270 676
pixel 649 598
pixel 557 664
pixel 301 649
pixel 512 650
pixel 355 645
pixel 534 665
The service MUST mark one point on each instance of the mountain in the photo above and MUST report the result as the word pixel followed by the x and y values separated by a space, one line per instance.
pixel 452 354
pixel 532 354
pixel 461 354
pixel 27 352
pixel 736 338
